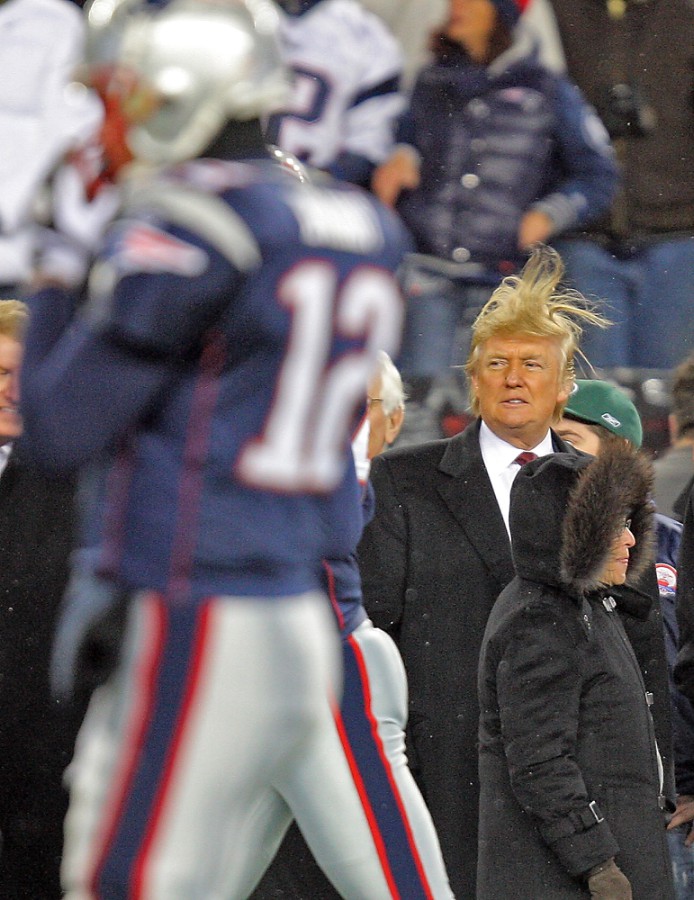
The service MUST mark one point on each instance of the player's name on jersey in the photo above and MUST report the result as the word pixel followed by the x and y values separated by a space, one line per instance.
pixel 337 220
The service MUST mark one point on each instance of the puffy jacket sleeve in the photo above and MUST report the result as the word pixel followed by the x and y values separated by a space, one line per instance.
pixel 587 170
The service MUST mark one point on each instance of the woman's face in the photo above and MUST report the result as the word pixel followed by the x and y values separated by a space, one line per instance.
pixel 471 23
pixel 615 571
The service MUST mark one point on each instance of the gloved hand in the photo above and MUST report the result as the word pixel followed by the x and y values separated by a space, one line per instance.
pixel 608 882
pixel 89 631
pixel 59 260
pixel 81 208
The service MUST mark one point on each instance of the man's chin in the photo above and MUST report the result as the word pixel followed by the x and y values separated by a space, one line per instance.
pixel 516 420
pixel 10 428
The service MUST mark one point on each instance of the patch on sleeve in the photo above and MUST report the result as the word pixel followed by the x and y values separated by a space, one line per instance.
pixel 667 579
pixel 144 248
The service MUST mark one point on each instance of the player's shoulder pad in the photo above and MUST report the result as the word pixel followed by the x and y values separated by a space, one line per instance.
pixel 201 212
pixel 355 22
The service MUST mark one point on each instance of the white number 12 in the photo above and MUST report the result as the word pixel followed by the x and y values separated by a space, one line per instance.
pixel 303 443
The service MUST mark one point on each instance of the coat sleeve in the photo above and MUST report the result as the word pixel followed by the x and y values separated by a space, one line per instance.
pixel 539 692
pixel 684 668
pixel 382 552
pixel 647 638
pixel 586 165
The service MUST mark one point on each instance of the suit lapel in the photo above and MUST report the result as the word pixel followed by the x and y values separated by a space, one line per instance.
pixel 8 479
pixel 468 494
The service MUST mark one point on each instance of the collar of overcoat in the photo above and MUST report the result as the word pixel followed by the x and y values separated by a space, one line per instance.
pixel 468 493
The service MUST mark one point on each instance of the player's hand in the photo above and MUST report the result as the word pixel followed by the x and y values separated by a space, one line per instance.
pixel 535 228
pixel 88 632
pixel 684 813
pixel 399 172
pixel 82 205
pixel 608 882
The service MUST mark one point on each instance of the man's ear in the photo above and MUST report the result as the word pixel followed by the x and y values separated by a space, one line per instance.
pixel 566 390
pixel 394 424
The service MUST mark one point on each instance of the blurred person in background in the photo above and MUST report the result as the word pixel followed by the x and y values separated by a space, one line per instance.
pixel 37 733
pixel 346 95
pixel 634 61
pixel 675 465
pixel 43 114
pixel 494 154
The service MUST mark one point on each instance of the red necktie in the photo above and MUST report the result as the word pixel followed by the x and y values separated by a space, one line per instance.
pixel 525 457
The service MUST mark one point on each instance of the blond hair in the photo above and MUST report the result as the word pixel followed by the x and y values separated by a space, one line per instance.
pixel 532 303
pixel 14 316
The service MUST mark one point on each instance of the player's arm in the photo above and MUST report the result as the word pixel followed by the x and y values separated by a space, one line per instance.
pixel 87 381
pixel 38 55
pixel 369 131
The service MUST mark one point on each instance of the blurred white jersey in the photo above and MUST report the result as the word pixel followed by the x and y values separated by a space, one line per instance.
pixel 42 114
pixel 346 96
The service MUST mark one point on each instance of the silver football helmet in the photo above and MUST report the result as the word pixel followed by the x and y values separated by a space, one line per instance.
pixel 203 63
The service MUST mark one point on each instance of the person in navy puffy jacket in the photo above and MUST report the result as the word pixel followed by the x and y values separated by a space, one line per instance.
pixel 494 154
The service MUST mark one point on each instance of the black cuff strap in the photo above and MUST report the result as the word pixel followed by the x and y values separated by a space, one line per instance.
pixel 575 822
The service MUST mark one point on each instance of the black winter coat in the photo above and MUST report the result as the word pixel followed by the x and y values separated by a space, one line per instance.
pixel 36 733
pixel 684 669
pixel 433 561
pixel 568 761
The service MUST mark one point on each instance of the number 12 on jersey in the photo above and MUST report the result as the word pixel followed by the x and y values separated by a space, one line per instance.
pixel 306 437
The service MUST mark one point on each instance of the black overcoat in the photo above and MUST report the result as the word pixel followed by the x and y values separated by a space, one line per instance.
pixel 433 561
pixel 37 521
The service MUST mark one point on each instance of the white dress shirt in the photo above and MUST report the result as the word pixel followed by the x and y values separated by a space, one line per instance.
pixel 499 460
pixel 5 450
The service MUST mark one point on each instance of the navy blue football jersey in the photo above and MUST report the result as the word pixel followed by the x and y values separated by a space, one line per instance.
pixel 232 322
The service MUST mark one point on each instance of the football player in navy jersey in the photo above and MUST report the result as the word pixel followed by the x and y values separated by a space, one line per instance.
pixel 346 96
pixel 230 321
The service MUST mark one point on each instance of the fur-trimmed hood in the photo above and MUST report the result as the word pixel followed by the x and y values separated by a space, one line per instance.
pixel 566 510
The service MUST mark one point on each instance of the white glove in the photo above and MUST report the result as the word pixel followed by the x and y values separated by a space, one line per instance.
pixel 75 214
pixel 360 447
pixel 81 209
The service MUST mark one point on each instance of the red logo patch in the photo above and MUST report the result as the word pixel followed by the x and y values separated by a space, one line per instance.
pixel 144 248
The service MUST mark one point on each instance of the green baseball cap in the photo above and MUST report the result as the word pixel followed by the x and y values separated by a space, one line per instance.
pixel 605 404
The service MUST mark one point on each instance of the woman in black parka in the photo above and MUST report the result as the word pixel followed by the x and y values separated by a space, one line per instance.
pixel 571 801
